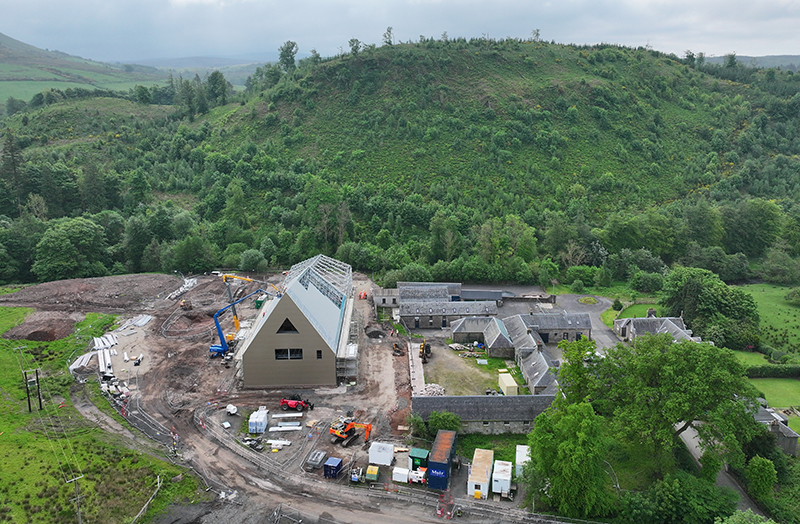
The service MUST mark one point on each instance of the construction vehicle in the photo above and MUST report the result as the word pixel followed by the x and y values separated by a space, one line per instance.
pixel 186 305
pixel 424 351
pixel 227 279
pixel 343 431
pixel 357 475
pixel 296 403
pixel 397 350
pixel 225 343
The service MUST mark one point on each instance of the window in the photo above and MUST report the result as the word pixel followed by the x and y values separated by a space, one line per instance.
pixel 383 301
pixel 486 423
pixel 289 354
pixel 319 354
pixel 430 321
pixel 566 336
pixel 287 327
pixel 506 422
pixel 526 422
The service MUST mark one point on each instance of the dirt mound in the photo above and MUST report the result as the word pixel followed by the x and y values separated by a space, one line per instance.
pixel 45 326
pixel 121 292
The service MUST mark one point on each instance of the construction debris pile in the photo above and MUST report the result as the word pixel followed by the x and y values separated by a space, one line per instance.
pixel 432 390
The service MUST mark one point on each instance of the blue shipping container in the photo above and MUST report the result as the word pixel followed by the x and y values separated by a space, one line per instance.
pixel 440 458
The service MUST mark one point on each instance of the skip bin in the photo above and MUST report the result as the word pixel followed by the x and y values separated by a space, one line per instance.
pixel 333 467
pixel 440 458
pixel 373 473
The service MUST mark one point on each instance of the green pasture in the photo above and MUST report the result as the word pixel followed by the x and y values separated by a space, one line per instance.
pixel 779 392
pixel 751 358
pixel 638 310
pixel 780 320
pixel 44 449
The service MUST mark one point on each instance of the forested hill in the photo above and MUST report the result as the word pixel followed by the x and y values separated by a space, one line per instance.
pixel 455 160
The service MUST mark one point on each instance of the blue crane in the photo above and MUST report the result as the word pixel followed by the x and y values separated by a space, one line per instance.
pixel 218 350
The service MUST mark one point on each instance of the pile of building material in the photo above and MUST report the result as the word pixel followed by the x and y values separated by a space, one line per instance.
pixel 82 361
pixel 188 283
pixel 432 390
pixel 139 321
pixel 105 342
pixel 457 347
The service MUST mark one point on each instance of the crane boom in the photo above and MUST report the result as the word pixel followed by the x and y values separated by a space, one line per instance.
pixel 227 279
pixel 222 347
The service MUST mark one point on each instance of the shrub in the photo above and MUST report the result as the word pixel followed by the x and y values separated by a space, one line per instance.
pixel 617 305
pixel 577 286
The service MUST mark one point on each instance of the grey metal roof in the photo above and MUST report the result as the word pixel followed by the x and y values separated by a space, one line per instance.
pixel 536 369
pixel 516 408
pixel 558 321
pixel 334 279
pixel 320 287
pixel 481 294
pixel 470 324
pixel 458 309
pixel 428 291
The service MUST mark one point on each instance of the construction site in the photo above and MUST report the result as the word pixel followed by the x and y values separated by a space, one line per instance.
pixel 176 368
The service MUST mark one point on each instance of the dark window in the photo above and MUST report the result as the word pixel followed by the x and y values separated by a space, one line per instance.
pixel 485 423
pixel 566 336
pixel 296 354
pixel 287 327
pixel 383 301
pixel 281 354
pixel 289 354
pixel 526 423
pixel 319 354
pixel 506 422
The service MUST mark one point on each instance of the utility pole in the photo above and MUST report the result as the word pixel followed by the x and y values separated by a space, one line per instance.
pixel 78 497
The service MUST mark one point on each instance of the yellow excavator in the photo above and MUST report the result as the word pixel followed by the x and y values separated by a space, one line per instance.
pixel 343 430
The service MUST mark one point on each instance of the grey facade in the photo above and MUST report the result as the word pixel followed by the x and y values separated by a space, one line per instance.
pixel 296 338
pixel 487 414
pixel 425 314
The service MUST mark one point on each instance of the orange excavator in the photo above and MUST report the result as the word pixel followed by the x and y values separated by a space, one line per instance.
pixel 343 430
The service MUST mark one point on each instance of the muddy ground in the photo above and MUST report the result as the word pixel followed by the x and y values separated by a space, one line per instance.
pixel 177 377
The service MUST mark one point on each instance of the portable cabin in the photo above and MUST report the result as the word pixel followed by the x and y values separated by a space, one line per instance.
pixel 258 421
pixel 523 456
pixel 400 475
pixel 507 384
pixel 417 458
pixel 381 453
pixel 440 459
pixel 333 467
pixel 480 474
pixel 501 477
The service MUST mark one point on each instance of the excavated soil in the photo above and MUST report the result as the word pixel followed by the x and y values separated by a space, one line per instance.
pixel 45 326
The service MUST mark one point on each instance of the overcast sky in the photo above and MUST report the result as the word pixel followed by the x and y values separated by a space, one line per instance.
pixel 129 30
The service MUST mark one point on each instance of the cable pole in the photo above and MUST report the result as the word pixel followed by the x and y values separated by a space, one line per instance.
pixel 77 499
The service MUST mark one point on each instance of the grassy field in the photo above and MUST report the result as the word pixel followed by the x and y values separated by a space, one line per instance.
pixel 43 449
pixel 779 392
pixel 750 358
pixel 504 446
pixel 638 310
pixel 780 320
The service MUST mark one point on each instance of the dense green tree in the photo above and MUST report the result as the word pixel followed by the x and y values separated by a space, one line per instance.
pixel 252 260
pixel 658 388
pixel 193 254
pixel 286 54
pixel 443 420
pixel 137 237
pixel 761 478
pixel 679 498
pixel 576 379
pixel 744 517
pixel 568 449
pixel 217 89
pixel 710 306
pixel 71 248
pixel 752 226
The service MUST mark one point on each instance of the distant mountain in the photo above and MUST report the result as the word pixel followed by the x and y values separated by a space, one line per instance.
pixel 789 62
pixel 26 70
pixel 193 62
pixel 235 68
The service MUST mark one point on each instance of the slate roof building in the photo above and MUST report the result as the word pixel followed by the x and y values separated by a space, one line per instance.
pixel 300 338
pixel 629 329
pixel 487 414
pixel 488 330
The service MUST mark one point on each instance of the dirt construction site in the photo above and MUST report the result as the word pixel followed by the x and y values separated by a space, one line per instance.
pixel 179 396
